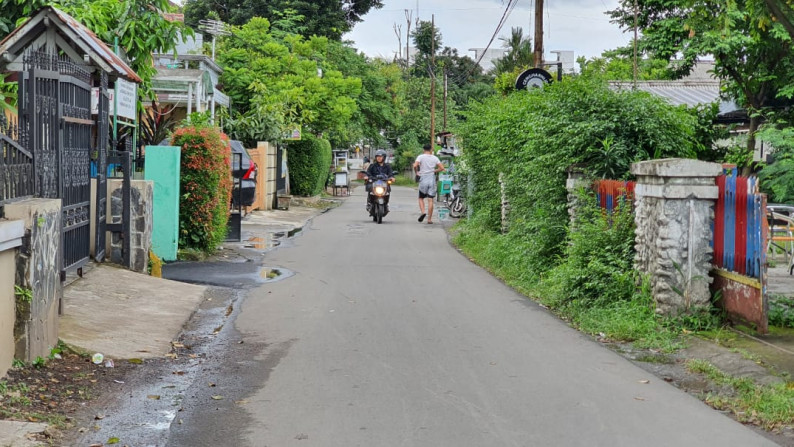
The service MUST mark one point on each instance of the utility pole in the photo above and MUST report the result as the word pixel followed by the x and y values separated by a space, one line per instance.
pixel 408 18
pixel 538 33
pixel 433 81
pixel 635 44
pixel 445 100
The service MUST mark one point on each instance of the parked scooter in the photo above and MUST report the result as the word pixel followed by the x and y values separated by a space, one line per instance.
pixel 378 197
pixel 454 202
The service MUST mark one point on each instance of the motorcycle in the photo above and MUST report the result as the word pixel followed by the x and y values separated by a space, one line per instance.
pixel 454 202
pixel 378 197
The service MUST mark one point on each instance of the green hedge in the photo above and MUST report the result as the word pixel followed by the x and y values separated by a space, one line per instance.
pixel 532 137
pixel 205 187
pixel 309 162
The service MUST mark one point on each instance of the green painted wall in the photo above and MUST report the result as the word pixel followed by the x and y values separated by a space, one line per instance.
pixel 162 167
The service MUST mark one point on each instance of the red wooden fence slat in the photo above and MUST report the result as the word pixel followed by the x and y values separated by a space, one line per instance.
pixel 740 260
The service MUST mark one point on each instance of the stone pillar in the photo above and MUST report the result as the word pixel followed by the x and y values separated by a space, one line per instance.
pixel 38 269
pixel 673 214
pixel 576 181
pixel 141 211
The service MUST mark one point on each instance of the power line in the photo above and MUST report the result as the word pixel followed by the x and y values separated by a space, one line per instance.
pixel 511 4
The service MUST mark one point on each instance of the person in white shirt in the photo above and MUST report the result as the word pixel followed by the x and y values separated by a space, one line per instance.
pixel 426 167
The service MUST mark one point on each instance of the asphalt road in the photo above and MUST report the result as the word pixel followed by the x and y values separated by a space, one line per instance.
pixel 387 336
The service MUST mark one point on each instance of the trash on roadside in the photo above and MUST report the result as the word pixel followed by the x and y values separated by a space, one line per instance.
pixel 97 358
pixel 109 363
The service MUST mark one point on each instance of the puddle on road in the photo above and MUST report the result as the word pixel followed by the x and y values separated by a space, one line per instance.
pixel 271 274
pixel 271 240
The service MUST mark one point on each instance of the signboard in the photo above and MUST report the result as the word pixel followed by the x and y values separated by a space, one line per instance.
pixel 533 78
pixel 126 99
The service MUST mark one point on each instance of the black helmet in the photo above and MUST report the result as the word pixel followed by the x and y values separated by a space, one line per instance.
pixel 380 153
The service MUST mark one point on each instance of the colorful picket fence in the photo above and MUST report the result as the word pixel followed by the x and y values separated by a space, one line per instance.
pixel 739 218
pixel 609 193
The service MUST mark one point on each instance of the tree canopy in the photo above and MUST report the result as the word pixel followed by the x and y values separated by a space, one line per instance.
pixel 751 48
pixel 327 18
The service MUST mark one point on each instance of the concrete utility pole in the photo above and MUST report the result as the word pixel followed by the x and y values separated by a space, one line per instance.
pixel 538 34
pixel 445 100
pixel 635 44
pixel 432 81
pixel 408 18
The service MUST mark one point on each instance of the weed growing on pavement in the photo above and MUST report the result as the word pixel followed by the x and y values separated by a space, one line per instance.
pixel 781 311
pixel 770 406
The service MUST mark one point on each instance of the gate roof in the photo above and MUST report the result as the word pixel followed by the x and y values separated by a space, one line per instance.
pixel 54 28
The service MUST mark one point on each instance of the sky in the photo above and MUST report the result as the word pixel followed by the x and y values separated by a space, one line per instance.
pixel 577 25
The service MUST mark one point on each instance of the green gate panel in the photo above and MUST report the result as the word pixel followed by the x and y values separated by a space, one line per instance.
pixel 162 167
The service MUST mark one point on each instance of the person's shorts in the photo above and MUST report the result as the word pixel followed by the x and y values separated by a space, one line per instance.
pixel 427 186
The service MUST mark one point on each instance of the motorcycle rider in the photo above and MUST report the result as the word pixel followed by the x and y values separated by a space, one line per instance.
pixel 378 167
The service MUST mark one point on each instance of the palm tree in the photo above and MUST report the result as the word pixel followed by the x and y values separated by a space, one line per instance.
pixel 519 52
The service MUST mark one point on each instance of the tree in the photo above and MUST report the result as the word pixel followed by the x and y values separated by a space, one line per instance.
pixel 752 50
pixel 327 18
pixel 519 52
pixel 279 84
pixel 618 65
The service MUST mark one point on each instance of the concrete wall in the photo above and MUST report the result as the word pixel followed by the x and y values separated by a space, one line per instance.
pixel 38 266
pixel 163 169
pixel 141 224
pixel 11 232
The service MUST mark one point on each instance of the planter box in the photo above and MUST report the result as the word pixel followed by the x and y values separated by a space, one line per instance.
pixel 283 202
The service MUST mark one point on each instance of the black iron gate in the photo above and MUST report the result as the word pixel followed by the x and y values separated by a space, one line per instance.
pixel 76 128
pixel 55 110
pixel 103 136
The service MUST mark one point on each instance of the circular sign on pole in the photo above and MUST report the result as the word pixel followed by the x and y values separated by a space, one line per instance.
pixel 533 78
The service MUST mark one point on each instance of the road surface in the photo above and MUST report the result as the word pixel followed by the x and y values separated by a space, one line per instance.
pixel 387 336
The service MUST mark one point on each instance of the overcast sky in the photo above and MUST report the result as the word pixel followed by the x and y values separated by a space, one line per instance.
pixel 577 25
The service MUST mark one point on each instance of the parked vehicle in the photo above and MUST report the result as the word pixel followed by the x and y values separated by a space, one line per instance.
pixel 454 202
pixel 378 197
pixel 246 173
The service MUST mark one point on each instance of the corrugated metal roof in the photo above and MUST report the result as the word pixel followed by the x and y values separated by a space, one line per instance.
pixel 689 93
pixel 88 41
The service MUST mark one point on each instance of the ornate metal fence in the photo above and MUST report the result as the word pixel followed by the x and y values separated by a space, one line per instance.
pixel 16 163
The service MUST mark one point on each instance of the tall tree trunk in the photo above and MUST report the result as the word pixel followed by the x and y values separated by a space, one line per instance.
pixel 755 121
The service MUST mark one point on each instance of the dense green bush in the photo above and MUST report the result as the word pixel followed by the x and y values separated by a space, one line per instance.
pixel 309 163
pixel 597 263
pixel 205 186
pixel 533 137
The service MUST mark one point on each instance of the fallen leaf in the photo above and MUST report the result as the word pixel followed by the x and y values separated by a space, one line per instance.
pixel 639 398
pixel 99 417
pixel 177 344
pixel 211 384
pixel 217 397
pixel 135 361
pixel 644 381
pixel 193 356
pixel 142 350
pixel 113 440
pixel 32 419
pixel 93 380
pixel 171 356
pixel 153 396
pixel 241 402
pixel 179 373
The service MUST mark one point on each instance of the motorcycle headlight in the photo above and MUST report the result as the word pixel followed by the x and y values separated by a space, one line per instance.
pixel 379 190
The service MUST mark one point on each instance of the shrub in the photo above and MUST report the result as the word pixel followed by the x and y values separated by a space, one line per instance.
pixel 309 162
pixel 205 186
pixel 532 137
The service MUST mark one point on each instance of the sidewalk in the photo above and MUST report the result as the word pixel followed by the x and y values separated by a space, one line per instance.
pixel 124 315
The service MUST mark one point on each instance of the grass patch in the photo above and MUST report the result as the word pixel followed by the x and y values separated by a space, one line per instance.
pixel 781 311
pixel 770 406
pixel 401 180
